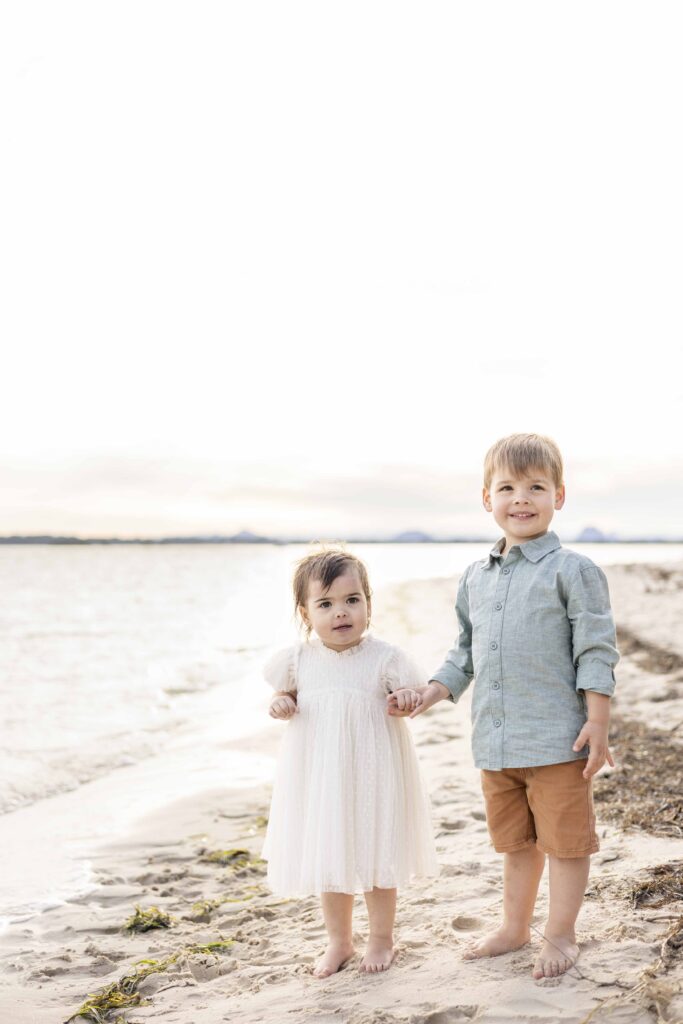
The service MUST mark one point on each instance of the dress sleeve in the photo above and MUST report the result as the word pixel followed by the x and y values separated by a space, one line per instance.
pixel 280 670
pixel 399 671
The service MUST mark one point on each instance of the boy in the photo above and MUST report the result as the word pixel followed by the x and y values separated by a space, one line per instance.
pixel 536 633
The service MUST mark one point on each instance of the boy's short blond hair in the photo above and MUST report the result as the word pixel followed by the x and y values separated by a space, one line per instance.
pixel 521 453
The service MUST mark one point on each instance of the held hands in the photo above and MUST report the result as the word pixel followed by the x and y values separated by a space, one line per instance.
pixel 402 702
pixel 283 706
pixel 427 695
pixel 594 735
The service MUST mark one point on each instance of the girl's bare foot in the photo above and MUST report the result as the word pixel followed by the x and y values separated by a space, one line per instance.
pixel 379 955
pixel 504 940
pixel 557 956
pixel 333 959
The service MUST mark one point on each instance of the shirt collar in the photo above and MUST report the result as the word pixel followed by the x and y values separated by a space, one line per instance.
pixel 533 550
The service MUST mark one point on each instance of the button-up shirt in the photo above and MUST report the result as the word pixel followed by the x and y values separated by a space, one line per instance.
pixel 535 631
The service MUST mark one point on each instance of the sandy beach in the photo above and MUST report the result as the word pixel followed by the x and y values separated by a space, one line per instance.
pixel 233 952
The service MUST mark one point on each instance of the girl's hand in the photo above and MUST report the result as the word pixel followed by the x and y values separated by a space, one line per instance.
pixel 284 706
pixel 402 702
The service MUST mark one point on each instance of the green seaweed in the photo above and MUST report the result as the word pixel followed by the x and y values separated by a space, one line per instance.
pixel 146 920
pixel 228 858
pixel 123 994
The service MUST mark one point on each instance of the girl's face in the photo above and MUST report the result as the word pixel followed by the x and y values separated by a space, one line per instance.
pixel 338 615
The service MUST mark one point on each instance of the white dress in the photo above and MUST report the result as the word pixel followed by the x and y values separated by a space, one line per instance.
pixel 349 810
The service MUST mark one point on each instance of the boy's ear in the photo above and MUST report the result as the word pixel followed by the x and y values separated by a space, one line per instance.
pixel 559 497
pixel 486 500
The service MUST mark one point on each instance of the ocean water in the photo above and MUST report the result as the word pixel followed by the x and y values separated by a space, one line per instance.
pixel 147 659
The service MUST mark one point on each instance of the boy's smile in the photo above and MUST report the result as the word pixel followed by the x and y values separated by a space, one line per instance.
pixel 523 506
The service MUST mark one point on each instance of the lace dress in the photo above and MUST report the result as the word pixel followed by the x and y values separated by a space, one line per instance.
pixel 349 810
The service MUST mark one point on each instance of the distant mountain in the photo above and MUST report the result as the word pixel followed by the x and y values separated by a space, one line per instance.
pixel 412 537
pixel 591 535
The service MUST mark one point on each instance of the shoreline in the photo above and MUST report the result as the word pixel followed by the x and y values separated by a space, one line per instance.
pixel 50 963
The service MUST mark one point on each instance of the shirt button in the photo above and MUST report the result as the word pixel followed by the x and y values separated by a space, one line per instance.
pixel 497 606
pixel 496 686
pixel 494 646
pixel 506 572
pixel 497 722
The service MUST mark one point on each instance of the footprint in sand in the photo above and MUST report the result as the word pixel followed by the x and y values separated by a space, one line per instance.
pixel 466 924
pixel 453 826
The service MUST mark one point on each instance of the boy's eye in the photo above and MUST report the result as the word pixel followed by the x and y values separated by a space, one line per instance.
pixel 538 487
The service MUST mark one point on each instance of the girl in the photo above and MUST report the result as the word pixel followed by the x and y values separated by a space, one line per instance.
pixel 348 811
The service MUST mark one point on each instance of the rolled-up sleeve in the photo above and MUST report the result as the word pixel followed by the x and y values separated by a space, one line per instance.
pixel 594 644
pixel 457 670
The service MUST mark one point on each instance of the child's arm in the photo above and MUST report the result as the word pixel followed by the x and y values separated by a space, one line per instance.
pixel 283 704
pixel 280 672
pixel 595 656
pixel 594 733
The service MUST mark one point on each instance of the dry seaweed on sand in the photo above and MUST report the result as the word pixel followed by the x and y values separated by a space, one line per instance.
pixel 123 994
pixel 146 920
pixel 227 858
pixel 665 885
pixel 236 860
pixel 646 792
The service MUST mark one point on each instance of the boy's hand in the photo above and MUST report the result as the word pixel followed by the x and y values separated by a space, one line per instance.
pixel 430 694
pixel 594 735
pixel 402 702
pixel 283 706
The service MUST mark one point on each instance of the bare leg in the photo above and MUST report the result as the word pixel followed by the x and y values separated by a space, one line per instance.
pixel 568 878
pixel 337 910
pixel 521 875
pixel 381 914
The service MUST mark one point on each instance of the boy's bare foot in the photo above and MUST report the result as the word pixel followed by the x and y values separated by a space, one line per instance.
pixel 379 956
pixel 333 959
pixel 556 957
pixel 504 940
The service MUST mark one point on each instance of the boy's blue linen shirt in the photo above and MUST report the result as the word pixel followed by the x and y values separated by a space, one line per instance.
pixel 535 631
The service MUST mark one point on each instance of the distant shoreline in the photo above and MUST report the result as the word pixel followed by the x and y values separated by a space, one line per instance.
pixel 55 540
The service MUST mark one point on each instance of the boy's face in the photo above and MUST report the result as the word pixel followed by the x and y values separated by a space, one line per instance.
pixel 339 615
pixel 523 506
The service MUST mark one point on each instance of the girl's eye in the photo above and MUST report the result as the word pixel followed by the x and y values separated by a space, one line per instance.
pixel 353 600
pixel 324 604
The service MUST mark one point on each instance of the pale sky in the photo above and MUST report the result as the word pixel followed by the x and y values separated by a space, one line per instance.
pixel 293 267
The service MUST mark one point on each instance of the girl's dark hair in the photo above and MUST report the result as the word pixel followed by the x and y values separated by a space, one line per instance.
pixel 325 566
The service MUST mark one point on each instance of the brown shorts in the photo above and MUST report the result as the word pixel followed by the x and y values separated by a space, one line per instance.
pixel 550 806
